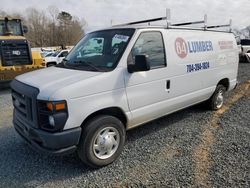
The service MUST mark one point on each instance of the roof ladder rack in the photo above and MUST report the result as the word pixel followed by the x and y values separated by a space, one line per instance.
pixel 188 23
pixel 144 21
pixel 218 26
pixel 177 25
pixel 205 27
pixel 184 23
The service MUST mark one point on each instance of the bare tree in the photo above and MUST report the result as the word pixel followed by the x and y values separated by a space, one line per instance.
pixel 50 27
pixel 37 23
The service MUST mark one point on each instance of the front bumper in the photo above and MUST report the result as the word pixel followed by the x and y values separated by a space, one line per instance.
pixel 59 143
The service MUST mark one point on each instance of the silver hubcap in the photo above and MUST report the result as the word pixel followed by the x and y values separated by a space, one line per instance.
pixel 106 142
pixel 219 100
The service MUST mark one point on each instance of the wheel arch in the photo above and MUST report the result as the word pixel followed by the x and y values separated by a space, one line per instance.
pixel 224 82
pixel 112 111
pixel 51 62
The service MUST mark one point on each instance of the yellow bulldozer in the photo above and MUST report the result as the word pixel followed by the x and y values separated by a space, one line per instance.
pixel 15 52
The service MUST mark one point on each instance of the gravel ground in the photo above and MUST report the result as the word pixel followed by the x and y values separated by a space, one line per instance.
pixel 190 148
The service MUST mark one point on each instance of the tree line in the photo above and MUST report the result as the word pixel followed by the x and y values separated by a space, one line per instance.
pixel 50 27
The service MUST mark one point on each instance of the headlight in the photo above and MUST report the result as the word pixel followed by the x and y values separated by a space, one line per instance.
pixel 51 121
pixel 52 115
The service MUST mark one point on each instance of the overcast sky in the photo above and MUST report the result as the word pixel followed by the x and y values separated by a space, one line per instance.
pixel 99 13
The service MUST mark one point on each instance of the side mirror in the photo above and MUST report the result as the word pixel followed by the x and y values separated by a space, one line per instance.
pixel 141 64
pixel 25 29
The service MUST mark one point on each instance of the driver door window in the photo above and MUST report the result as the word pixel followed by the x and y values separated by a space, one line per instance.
pixel 151 45
pixel 63 54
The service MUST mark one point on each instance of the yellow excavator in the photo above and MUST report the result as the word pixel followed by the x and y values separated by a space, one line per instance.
pixel 15 52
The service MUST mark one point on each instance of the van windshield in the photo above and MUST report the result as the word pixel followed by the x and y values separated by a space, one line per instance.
pixel 55 54
pixel 99 51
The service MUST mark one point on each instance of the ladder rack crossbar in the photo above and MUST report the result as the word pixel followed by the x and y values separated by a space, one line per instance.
pixel 188 23
pixel 218 26
pixel 144 21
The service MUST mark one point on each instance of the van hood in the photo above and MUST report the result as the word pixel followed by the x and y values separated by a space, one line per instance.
pixel 51 79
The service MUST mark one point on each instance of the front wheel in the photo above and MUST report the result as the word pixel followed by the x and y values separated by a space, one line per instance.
pixel 217 99
pixel 102 141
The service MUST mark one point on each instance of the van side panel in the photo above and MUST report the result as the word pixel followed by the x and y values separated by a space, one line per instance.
pixel 196 62
pixel 220 57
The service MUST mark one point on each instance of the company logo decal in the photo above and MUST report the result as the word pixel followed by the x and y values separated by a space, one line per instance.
pixel 16 52
pixel 182 47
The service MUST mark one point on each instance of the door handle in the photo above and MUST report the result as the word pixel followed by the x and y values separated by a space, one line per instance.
pixel 168 84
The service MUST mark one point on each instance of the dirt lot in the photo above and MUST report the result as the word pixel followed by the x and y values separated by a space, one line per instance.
pixel 190 148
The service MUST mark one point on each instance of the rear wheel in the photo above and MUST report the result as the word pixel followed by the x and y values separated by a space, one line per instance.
pixel 217 99
pixel 102 141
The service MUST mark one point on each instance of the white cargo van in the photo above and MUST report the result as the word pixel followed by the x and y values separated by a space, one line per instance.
pixel 56 58
pixel 118 78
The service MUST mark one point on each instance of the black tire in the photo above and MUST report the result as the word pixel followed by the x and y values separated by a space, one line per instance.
pixel 87 153
pixel 51 64
pixel 214 100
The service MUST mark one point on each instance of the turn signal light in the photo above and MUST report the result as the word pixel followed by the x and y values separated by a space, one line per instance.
pixel 56 106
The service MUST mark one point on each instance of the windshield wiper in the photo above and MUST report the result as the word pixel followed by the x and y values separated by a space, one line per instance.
pixel 82 63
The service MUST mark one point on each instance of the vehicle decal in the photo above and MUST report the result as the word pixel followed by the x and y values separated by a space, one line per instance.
pixel 197 66
pixel 183 47
pixel 225 45
pixel 123 38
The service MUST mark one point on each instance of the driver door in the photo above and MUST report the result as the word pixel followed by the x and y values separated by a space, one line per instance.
pixel 146 90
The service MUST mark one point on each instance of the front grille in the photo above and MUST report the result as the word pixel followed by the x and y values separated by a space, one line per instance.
pixel 15 53
pixel 25 103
